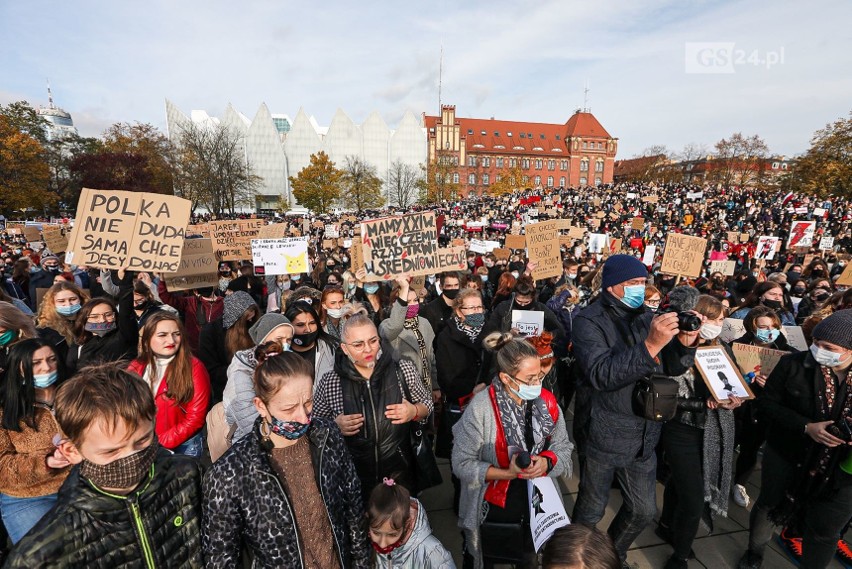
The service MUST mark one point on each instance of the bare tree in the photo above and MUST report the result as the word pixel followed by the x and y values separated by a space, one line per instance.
pixel 403 183
pixel 740 161
pixel 211 169
pixel 362 187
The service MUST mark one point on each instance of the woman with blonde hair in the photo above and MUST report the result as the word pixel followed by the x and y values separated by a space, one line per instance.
pixel 57 314
pixel 179 382
pixel 14 327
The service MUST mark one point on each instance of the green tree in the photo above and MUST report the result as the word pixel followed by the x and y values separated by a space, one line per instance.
pixel 440 181
pixel 826 168
pixel 362 187
pixel 145 141
pixel 317 185
pixel 510 179
pixel 24 173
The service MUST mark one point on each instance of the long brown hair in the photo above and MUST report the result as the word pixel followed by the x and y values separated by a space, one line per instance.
pixel 237 336
pixel 179 384
pixel 48 317
pixel 81 335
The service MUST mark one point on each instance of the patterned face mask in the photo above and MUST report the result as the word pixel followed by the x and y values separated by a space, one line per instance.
pixel 126 472
pixel 100 328
pixel 290 430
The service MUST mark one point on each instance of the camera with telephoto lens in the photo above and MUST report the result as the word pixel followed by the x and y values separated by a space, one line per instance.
pixel 686 321
pixel 841 430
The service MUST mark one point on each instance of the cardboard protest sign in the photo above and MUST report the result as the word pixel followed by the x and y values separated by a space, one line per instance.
pixel 356 256
pixel 564 224
pixel 543 249
pixel 232 239
pixel 801 234
pixel 452 259
pixel 754 359
pixel 318 225
pixel 32 234
pixel 547 511
pixel 328 244
pixel 457 243
pixel 132 230
pixel 683 255
pixel 198 266
pixel 272 231
pixel 732 328
pixel 727 268
pixel 650 199
pixel 528 322
pixel 576 232
pixel 733 236
pixel 614 246
pixel 55 238
pixel 766 247
pixel 200 229
pixel 845 278
pixel 287 256
pixel 720 374
pixel 744 237
pixel 15 227
pixel 638 223
pixel 795 337
pixel 397 245
pixel 502 253
pixel 515 242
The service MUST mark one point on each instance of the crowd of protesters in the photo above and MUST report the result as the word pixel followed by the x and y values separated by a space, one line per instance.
pixel 291 420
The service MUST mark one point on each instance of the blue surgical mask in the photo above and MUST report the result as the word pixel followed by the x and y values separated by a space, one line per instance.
pixel 69 310
pixel 371 288
pixel 290 430
pixel 767 336
pixel 526 392
pixel 825 357
pixel 45 380
pixel 296 278
pixel 634 296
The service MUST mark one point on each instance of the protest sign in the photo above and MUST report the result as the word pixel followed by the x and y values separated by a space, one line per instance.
pixel 755 359
pixel 547 511
pixel 332 230
pixel 502 253
pixel 597 242
pixel 615 246
pixel 515 242
pixel 819 212
pixel 286 256
pixel 528 322
pixel 451 259
pixel 744 237
pixel 457 243
pixel 132 230
pixel 357 256
pixel 721 376
pixel 543 249
pixel 826 243
pixel 576 232
pixel 32 234
pixel 727 268
pixel 766 247
pixel 795 337
pixel 638 223
pixel 232 239
pixel 733 236
pixel 478 246
pixel 318 225
pixel 328 244
pixel 199 229
pixel 683 255
pixel 272 231
pixel 648 256
pixel 54 238
pixel 801 234
pixel 563 224
pixel 397 245
pixel 732 328
pixel 845 278
pixel 198 266
pixel 650 199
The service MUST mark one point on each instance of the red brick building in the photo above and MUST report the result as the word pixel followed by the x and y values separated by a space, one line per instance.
pixel 578 153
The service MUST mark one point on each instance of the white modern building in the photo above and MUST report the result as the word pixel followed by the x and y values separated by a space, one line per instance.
pixel 58 122
pixel 277 146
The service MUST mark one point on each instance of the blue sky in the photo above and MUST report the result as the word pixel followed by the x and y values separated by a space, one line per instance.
pixel 118 61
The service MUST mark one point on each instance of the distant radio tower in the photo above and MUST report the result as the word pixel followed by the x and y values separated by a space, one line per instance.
pixel 586 98
pixel 440 77
pixel 49 95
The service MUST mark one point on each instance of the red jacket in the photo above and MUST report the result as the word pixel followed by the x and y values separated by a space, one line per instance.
pixel 175 424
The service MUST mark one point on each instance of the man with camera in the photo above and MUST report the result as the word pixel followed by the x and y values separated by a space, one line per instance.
pixel 619 344
pixel 806 479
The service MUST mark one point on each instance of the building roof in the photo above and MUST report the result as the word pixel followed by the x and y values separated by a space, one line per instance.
pixel 515 137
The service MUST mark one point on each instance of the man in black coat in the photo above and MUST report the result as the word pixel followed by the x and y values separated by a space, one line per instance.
pixel 437 311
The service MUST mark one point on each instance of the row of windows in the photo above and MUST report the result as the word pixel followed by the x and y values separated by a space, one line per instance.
pixel 485 180
pixel 509 134
pixel 591 146
pixel 500 162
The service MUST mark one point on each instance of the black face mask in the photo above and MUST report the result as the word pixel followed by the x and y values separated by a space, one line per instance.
pixel 773 304
pixel 305 339
pixel 799 291
pixel 451 294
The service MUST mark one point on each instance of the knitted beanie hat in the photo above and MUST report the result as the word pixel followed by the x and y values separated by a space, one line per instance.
pixel 621 268
pixel 234 306
pixel 836 328
pixel 266 324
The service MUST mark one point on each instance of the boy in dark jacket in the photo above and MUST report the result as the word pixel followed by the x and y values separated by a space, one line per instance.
pixel 126 503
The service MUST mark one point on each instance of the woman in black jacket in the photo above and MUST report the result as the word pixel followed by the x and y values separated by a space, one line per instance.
pixel 701 433
pixel 288 492
pixel 105 332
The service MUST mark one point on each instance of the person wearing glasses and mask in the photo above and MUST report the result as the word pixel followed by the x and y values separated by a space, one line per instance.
pixel 104 331
pixel 373 396
pixel 513 416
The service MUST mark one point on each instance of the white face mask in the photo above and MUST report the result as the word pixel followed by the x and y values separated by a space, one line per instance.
pixel 334 312
pixel 709 331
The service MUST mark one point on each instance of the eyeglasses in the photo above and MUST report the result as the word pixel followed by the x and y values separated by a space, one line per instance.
pixel 361 345
pixel 105 317
pixel 530 381
pixel 654 303
pixel 471 308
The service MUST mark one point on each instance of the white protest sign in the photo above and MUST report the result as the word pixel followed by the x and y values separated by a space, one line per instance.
pixel 766 245
pixel 597 242
pixel 826 243
pixel 795 337
pixel 725 267
pixel 732 328
pixel 287 256
pixel 648 256
pixel 332 231
pixel 819 212
pixel 721 375
pixel 478 246
pixel 547 512
pixel 801 234
pixel 528 322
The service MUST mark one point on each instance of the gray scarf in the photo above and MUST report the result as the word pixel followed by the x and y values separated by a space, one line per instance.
pixel 718 461
pixel 513 418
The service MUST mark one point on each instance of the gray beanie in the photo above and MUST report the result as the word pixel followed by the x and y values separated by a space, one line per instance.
pixel 836 328
pixel 234 306
pixel 266 324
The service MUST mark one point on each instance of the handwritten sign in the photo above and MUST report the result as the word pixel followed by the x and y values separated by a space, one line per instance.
pixel 826 243
pixel 638 223
pixel 332 230
pixel 132 230
pixel 55 238
pixel 287 256
pixel 732 328
pixel 198 266
pixel 725 267
pixel 766 247
pixel 502 253
pixel 683 255
pixel 452 259
pixel 845 278
pixel 272 231
pixel 515 242
pixel 795 337
pixel 404 244
pixel 543 249
pixel 721 376
pixel 755 359
pixel 232 239
pixel 528 322
pixel 576 232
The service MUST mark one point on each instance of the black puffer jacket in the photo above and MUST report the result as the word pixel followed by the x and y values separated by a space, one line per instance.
pixel 245 503
pixel 459 362
pixel 157 526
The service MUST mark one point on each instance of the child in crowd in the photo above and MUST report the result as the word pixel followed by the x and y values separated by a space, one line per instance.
pixel 400 531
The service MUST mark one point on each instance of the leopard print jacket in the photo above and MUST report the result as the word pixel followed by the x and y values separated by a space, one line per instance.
pixel 245 504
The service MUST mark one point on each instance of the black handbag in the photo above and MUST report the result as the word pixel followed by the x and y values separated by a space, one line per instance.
pixel 426 472
pixel 655 398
